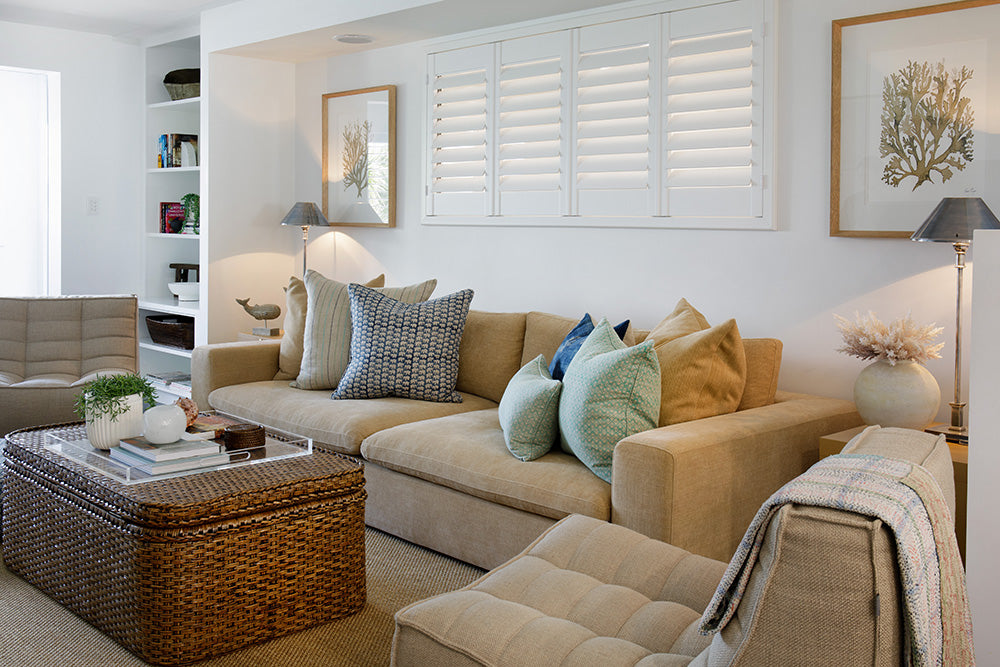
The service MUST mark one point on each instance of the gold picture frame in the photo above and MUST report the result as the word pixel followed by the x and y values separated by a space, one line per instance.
pixel 359 157
pixel 886 172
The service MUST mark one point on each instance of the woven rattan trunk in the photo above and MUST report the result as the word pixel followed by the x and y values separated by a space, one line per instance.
pixel 181 569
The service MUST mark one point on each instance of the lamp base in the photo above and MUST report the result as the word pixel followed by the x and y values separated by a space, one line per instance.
pixel 955 435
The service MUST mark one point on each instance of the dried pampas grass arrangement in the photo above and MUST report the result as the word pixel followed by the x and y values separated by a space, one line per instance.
pixel 900 340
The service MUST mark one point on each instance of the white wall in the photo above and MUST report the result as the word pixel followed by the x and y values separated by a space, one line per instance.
pixel 786 283
pixel 983 539
pixel 248 189
pixel 101 128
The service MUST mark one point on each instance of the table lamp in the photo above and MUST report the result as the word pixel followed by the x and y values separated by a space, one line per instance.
pixel 305 215
pixel 953 221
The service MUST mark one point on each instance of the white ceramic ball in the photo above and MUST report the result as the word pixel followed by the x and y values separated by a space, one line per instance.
pixel 163 424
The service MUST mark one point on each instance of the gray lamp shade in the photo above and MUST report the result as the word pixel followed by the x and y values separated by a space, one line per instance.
pixel 954 220
pixel 305 214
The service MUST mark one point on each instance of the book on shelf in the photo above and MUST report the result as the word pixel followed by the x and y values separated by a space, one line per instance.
pixel 184 448
pixel 172 465
pixel 170 377
pixel 171 217
pixel 171 383
pixel 177 150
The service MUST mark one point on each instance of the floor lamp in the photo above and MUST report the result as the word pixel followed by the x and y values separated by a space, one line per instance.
pixel 953 221
pixel 305 215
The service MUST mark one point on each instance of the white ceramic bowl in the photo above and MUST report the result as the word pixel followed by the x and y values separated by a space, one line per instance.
pixel 184 291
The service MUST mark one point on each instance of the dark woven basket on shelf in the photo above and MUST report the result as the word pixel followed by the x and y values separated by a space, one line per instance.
pixel 182 84
pixel 171 330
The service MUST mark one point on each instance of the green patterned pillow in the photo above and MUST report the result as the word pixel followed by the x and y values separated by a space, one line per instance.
pixel 529 411
pixel 327 340
pixel 610 392
pixel 405 350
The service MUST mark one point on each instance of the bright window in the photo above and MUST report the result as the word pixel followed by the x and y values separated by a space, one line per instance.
pixel 29 183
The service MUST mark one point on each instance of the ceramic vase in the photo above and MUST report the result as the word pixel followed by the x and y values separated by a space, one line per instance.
pixel 104 433
pixel 904 395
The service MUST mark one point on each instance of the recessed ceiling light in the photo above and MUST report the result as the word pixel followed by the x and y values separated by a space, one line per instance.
pixel 353 39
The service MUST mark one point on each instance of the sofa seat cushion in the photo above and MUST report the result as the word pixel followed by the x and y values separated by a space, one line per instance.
pixel 586 592
pixel 35 402
pixel 338 426
pixel 467 452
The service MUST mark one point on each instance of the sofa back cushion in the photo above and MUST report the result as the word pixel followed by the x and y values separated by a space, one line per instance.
pixel 543 333
pixel 70 337
pixel 490 353
pixel 763 363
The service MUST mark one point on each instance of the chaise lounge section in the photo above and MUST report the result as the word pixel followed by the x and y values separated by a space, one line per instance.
pixel 829 585
pixel 440 475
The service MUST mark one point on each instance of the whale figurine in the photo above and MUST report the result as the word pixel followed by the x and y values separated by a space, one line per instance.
pixel 264 311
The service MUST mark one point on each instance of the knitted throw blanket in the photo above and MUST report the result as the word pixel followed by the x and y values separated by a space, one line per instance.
pixel 908 500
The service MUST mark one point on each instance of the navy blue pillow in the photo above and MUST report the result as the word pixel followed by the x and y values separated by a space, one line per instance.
pixel 572 342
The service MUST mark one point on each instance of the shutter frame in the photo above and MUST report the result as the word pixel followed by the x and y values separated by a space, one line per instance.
pixel 569 157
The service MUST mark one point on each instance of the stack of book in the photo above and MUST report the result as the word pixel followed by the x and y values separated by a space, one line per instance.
pixel 191 452
pixel 177 150
pixel 170 384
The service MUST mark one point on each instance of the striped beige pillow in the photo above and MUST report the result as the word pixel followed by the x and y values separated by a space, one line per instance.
pixel 290 354
pixel 327 339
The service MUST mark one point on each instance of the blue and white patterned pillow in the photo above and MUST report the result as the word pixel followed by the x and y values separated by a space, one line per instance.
pixel 529 411
pixel 571 344
pixel 327 337
pixel 405 350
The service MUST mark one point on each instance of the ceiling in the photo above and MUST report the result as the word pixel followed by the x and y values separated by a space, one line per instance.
pixel 427 21
pixel 125 19
pixel 135 19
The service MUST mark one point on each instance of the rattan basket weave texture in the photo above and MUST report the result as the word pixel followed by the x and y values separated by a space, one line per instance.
pixel 186 568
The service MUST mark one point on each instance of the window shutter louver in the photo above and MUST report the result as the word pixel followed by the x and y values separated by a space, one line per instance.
pixel 461 156
pixel 614 133
pixel 533 128
pixel 712 118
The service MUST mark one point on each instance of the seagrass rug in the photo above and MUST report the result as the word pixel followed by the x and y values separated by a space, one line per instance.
pixel 37 632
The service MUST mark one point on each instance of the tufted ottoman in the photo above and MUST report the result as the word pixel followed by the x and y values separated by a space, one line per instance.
pixel 586 592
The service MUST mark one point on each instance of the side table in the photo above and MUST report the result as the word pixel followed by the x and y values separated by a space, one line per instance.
pixel 833 443
pixel 248 335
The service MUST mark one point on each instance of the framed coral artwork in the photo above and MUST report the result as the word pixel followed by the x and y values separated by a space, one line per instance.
pixel 915 115
pixel 359 157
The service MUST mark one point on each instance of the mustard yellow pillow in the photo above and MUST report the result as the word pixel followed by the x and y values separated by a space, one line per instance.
pixel 683 321
pixel 292 341
pixel 702 373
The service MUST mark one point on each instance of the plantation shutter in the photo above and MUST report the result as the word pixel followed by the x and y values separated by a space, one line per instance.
pixel 533 137
pixel 461 148
pixel 615 138
pixel 713 114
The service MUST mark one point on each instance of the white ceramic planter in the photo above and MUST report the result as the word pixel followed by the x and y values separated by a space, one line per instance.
pixel 904 395
pixel 105 434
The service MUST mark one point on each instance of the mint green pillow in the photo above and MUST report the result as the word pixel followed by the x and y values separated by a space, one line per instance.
pixel 610 391
pixel 529 411
pixel 326 344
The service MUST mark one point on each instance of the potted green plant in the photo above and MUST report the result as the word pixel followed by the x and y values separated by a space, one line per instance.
pixel 112 407
pixel 192 213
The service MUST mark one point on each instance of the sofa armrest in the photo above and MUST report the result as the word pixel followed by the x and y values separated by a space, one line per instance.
pixel 698 484
pixel 224 364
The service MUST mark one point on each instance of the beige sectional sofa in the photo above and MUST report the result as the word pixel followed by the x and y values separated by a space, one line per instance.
pixel 440 475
